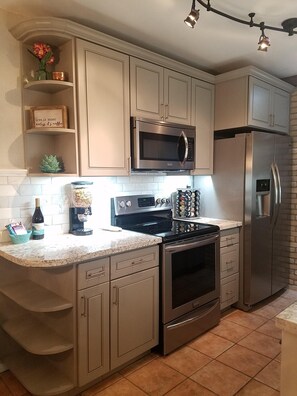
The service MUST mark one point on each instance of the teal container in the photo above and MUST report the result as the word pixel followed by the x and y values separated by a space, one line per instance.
pixel 21 238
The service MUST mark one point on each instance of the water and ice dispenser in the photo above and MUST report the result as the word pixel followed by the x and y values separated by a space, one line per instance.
pixel 263 197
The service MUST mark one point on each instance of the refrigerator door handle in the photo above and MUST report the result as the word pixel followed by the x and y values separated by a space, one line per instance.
pixel 277 192
pixel 278 184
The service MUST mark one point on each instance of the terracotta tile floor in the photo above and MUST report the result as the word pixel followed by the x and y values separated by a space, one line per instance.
pixel 240 356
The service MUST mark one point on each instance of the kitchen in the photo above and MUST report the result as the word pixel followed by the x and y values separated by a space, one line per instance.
pixel 18 190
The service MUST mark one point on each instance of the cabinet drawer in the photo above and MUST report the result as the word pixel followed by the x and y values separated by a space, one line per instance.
pixel 229 290
pixel 229 237
pixel 92 273
pixel 229 260
pixel 131 262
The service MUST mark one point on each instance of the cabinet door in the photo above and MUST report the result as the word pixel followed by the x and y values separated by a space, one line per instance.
pixel 177 97
pixel 203 119
pixel 134 315
pixel 281 110
pixel 259 114
pixel 103 98
pixel 146 85
pixel 93 333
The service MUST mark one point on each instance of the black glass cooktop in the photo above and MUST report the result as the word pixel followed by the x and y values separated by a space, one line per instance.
pixel 170 230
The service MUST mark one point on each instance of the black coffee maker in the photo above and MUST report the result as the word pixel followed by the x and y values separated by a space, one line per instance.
pixel 80 209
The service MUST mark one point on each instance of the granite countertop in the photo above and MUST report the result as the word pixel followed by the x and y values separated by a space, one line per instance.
pixel 65 249
pixel 287 319
pixel 223 224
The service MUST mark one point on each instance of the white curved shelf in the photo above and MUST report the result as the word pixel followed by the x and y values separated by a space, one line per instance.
pixel 38 375
pixel 48 86
pixel 33 297
pixel 35 337
pixel 50 131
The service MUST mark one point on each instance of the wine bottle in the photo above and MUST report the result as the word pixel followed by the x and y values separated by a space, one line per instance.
pixel 37 221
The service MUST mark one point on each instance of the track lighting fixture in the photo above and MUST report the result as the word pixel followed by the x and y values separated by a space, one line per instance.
pixel 264 41
pixel 288 25
pixel 193 16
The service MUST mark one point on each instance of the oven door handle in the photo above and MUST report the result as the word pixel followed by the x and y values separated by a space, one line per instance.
pixel 200 241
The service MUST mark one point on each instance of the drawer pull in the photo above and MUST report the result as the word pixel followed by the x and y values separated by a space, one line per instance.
pixel 115 295
pixel 136 262
pixel 229 241
pixel 95 273
pixel 83 310
pixel 229 265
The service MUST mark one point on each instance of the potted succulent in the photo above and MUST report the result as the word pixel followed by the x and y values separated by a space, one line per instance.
pixel 51 164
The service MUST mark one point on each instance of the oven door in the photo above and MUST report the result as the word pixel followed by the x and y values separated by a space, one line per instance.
pixel 190 275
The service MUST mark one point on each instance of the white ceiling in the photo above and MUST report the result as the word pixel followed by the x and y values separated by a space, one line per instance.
pixel 215 45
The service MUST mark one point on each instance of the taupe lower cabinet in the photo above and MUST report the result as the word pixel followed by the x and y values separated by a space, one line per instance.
pixel 103 109
pixel 93 319
pixel 117 319
pixel 133 315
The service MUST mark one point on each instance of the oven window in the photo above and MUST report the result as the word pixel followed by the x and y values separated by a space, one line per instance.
pixel 193 274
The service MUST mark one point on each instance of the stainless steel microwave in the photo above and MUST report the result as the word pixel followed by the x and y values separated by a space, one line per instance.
pixel 161 146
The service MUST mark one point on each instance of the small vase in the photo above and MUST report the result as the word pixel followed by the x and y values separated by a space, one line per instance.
pixel 41 74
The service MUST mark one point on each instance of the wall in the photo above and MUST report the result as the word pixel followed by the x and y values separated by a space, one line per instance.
pixel 12 152
pixel 17 195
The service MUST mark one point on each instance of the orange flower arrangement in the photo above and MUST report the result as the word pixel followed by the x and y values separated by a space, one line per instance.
pixel 44 53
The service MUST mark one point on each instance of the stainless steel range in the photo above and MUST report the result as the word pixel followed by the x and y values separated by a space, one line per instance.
pixel 189 266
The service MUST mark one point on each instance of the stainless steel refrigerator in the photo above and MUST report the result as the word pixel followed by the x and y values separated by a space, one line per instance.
pixel 251 183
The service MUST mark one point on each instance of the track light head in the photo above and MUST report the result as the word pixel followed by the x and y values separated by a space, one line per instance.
pixel 193 16
pixel 264 41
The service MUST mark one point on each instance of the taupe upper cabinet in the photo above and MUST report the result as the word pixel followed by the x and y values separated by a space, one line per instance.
pixel 251 98
pixel 159 93
pixel 203 119
pixel 103 107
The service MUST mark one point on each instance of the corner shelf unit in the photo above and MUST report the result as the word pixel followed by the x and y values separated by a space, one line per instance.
pixel 40 377
pixel 36 324
pixel 62 142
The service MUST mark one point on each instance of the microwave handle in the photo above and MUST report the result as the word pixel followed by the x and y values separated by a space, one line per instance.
pixel 184 136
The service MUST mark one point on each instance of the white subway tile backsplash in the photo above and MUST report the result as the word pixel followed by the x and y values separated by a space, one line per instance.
pixel 18 193
pixel 10 213
pixel 30 189
pixel 18 180
pixel 4 202
pixel 40 180
pixel 7 190
pixel 3 180
pixel 50 189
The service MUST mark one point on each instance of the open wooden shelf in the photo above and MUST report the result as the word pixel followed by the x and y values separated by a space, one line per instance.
pixel 33 297
pixel 49 86
pixel 37 374
pixel 35 337
pixel 50 131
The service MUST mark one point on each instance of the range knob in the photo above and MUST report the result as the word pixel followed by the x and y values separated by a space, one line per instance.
pixel 128 204
pixel 158 201
pixel 168 201
pixel 122 204
pixel 163 200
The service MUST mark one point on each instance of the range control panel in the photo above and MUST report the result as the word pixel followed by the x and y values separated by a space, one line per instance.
pixel 140 203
